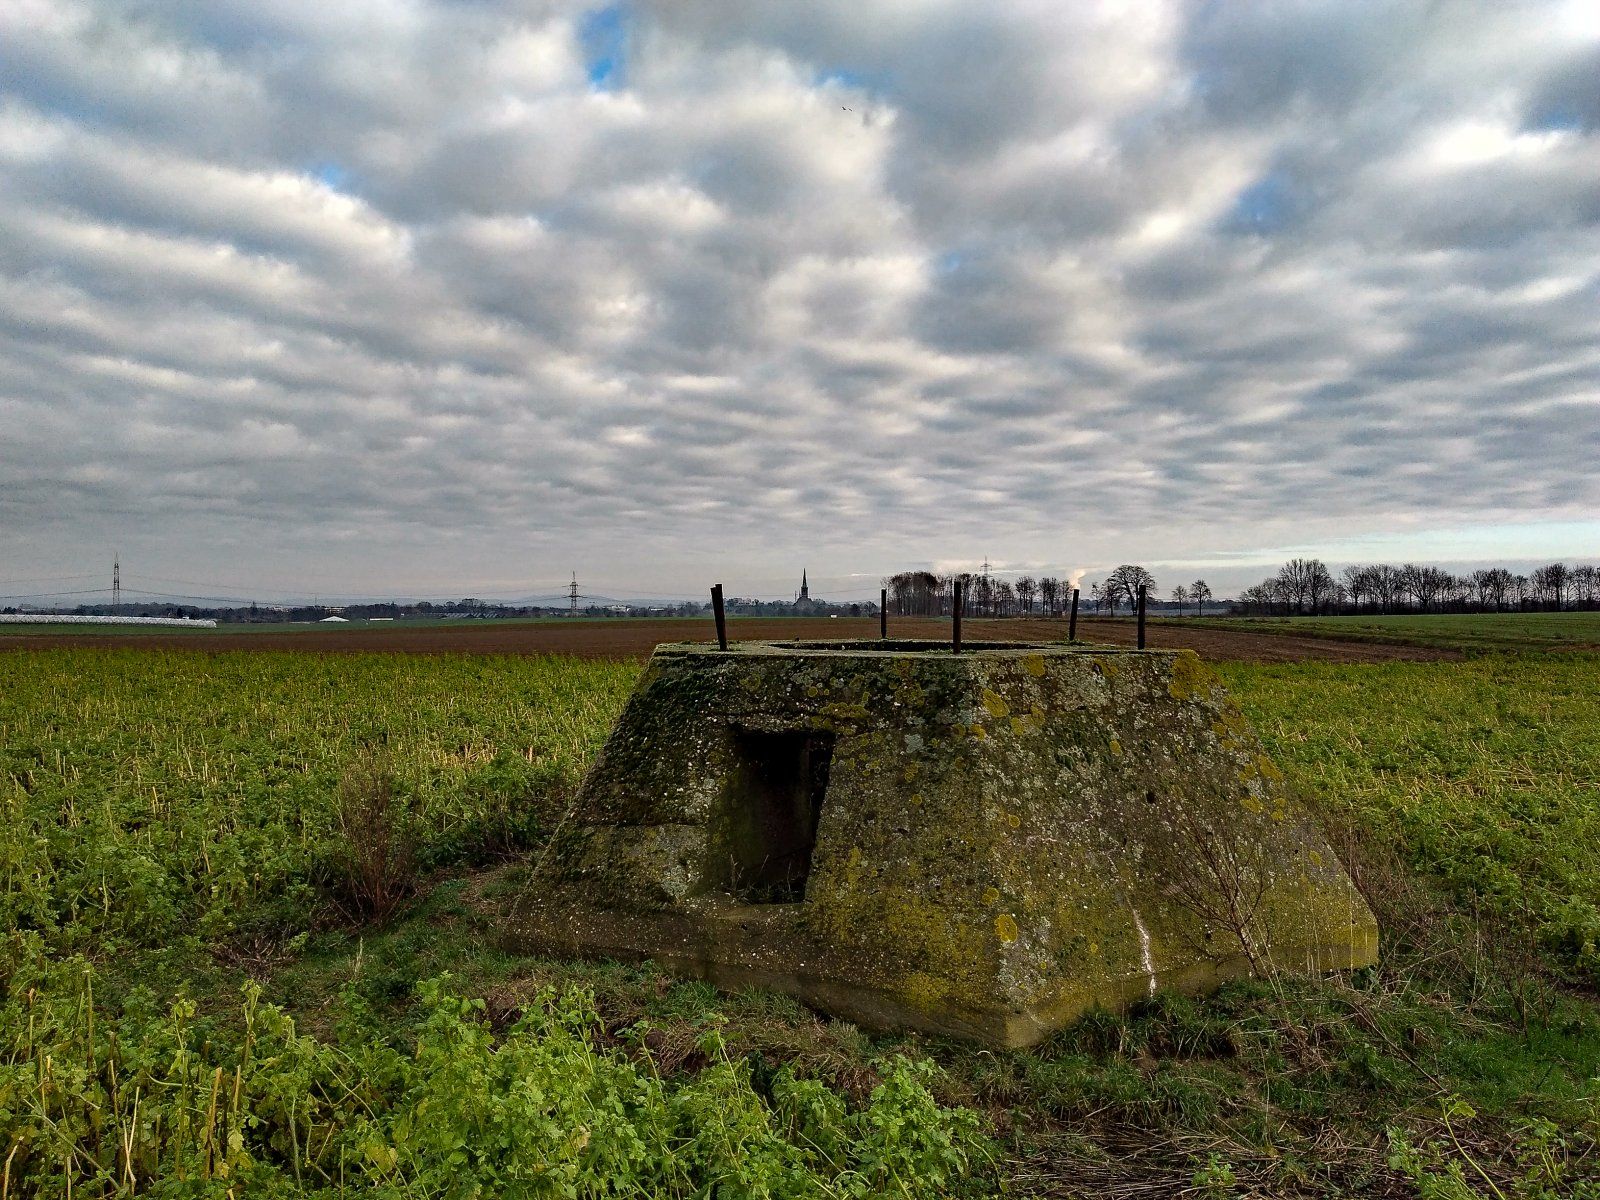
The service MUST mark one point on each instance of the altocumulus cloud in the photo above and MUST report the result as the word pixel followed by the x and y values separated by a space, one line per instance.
pixel 407 293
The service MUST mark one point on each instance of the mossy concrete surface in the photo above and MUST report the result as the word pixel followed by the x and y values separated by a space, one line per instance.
pixel 984 844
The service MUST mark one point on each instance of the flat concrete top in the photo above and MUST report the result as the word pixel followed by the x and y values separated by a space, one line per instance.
pixel 900 648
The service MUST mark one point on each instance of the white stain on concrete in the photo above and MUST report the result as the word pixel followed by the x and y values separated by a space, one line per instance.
pixel 1144 948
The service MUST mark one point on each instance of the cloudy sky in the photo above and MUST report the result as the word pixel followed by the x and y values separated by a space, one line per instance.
pixel 394 296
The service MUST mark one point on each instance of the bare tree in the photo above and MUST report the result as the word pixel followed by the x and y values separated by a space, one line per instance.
pixel 1501 581
pixel 1305 583
pixel 1424 584
pixel 1585 586
pixel 1179 595
pixel 1049 594
pixel 1201 591
pixel 1258 598
pixel 1305 586
pixel 1521 590
pixel 972 595
pixel 1321 590
pixel 1385 583
pixel 1027 587
pixel 1357 583
pixel 1483 587
pixel 1126 581
pixel 1551 584
pixel 1282 595
pixel 1005 598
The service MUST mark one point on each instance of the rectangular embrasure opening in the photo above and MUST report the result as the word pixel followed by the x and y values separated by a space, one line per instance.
pixel 772 807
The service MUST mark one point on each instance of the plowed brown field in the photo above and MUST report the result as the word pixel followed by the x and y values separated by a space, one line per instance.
pixel 636 638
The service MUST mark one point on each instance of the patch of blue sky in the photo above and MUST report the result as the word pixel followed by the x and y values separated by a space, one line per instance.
pixel 334 175
pixel 60 102
pixel 1268 205
pixel 603 35
pixel 1555 120
pixel 844 78
pixel 849 77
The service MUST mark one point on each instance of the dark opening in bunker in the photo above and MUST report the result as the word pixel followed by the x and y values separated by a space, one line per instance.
pixel 772 806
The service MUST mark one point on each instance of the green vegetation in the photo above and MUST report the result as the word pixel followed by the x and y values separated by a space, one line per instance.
pixel 201 993
pixel 1482 774
pixel 176 825
pixel 1444 631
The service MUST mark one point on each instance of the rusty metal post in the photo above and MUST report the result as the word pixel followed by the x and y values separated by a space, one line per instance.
pixel 1072 622
pixel 883 612
pixel 955 616
pixel 1141 616
pixel 716 611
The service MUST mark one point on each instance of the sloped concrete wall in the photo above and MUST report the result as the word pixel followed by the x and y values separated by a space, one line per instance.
pixel 1007 837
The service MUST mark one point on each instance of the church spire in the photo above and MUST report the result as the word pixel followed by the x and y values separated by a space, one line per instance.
pixel 805 588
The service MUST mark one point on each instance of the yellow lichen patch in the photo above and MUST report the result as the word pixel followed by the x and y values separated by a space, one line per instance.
pixel 978 731
pixel 1227 736
pixel 1116 746
pixel 846 712
pixel 1021 725
pixel 1268 769
pixel 916 799
pixel 995 704
pixel 1005 928
pixel 1251 804
pixel 1035 665
pixel 1190 677
pixel 991 895
pixel 1013 820
pixel 923 931
pixel 923 991
pixel 1316 858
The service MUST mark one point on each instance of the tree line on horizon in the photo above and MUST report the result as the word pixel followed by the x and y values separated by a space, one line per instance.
pixel 1306 587
pixel 929 594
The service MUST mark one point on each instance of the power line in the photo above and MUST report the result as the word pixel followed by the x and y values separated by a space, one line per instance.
pixel 49 579
pixel 49 595
pixel 181 596
pixel 227 587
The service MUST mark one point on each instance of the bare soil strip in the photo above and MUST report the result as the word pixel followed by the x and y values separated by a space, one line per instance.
pixel 636 638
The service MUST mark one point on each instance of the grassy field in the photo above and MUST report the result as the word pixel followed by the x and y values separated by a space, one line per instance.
pixel 208 984
pixel 1445 631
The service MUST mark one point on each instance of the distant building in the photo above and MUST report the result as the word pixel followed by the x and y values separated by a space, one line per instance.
pixel 803 603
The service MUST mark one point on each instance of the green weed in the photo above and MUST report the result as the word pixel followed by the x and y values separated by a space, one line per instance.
pixel 1484 775
pixel 188 1007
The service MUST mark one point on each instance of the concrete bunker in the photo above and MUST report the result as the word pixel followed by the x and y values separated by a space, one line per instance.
pixel 984 844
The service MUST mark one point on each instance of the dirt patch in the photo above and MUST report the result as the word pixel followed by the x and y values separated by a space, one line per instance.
pixel 636 638
pixel 1221 644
